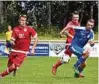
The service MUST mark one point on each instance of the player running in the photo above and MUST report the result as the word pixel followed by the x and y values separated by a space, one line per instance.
pixel 69 32
pixel 21 37
pixel 82 36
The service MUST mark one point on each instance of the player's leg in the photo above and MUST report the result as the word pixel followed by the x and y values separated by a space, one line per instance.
pixel 17 60
pixel 67 54
pixel 8 70
pixel 55 66
pixel 10 63
pixel 82 58
pixel 68 51
pixel 15 71
pixel 81 68
pixel 6 49
pixel 65 59
pixel 8 46
pixel 80 64
pixel 78 52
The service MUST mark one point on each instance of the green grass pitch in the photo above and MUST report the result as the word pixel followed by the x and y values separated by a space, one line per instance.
pixel 37 70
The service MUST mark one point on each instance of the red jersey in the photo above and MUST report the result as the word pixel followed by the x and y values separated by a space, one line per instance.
pixel 71 31
pixel 22 37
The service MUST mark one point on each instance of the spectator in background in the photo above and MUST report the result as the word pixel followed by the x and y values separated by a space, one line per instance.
pixel 8 39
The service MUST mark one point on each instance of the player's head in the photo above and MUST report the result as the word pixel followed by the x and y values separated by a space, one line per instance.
pixel 75 16
pixel 90 24
pixel 9 28
pixel 22 20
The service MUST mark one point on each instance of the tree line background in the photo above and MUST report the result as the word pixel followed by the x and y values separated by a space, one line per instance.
pixel 47 17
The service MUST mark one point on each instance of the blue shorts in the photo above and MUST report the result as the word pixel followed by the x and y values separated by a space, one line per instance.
pixel 8 44
pixel 76 50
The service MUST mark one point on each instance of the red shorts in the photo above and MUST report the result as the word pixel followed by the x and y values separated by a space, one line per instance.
pixel 67 50
pixel 16 58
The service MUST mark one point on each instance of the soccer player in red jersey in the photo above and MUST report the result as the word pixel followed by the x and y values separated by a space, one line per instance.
pixel 69 32
pixel 21 38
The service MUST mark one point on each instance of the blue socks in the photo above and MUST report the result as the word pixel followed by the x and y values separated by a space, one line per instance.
pixel 80 60
pixel 80 69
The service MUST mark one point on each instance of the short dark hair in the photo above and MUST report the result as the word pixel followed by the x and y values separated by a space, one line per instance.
pixel 91 20
pixel 75 13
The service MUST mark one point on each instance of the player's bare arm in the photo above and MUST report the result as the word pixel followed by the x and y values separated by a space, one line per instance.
pixel 68 34
pixel 35 38
pixel 12 41
pixel 65 31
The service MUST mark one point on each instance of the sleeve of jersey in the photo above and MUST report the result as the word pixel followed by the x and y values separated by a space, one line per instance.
pixel 33 32
pixel 69 24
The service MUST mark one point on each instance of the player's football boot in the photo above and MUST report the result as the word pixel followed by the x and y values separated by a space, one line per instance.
pixel 54 70
pixel 80 75
pixel 55 66
pixel 76 75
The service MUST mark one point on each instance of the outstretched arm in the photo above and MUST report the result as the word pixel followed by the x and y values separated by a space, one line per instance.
pixel 35 38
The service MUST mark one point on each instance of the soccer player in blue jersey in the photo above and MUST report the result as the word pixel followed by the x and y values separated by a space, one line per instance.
pixel 82 36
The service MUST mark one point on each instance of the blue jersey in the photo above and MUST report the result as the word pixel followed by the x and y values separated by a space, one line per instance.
pixel 82 36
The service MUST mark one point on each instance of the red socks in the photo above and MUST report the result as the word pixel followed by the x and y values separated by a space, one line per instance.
pixel 58 63
pixel 9 70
